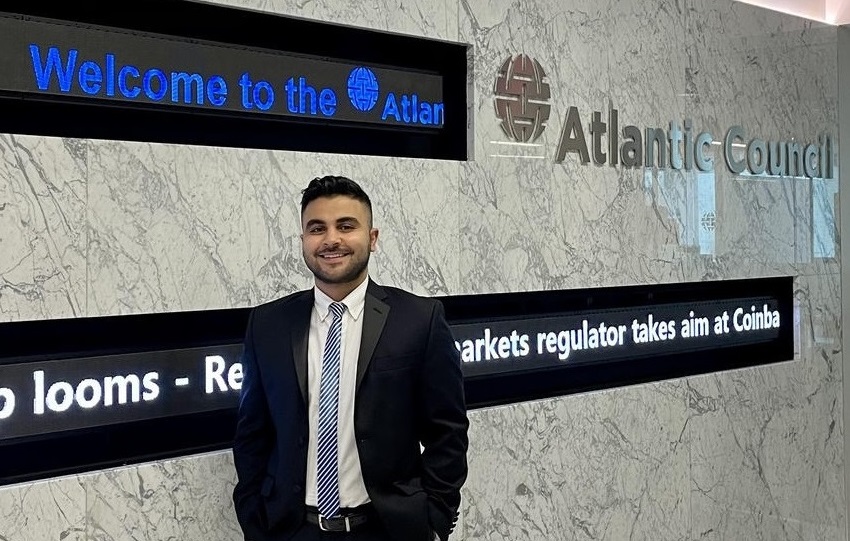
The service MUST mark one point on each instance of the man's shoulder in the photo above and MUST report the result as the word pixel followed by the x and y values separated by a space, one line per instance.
pixel 402 297
pixel 283 303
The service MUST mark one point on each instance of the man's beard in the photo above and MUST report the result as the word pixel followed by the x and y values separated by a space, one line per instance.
pixel 356 268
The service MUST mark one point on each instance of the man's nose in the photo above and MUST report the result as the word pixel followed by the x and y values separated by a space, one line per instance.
pixel 331 238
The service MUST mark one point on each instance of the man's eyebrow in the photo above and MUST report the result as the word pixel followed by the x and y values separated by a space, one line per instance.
pixel 347 219
pixel 314 221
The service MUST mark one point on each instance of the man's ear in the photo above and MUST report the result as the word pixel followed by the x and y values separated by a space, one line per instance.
pixel 373 239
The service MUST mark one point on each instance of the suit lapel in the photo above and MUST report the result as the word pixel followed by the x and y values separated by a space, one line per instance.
pixel 300 329
pixel 375 312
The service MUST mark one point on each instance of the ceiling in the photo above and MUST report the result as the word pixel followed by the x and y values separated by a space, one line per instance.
pixel 835 12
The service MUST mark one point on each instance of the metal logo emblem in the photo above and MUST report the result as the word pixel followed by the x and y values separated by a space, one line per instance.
pixel 522 98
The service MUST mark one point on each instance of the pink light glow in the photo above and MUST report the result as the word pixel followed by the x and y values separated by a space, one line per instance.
pixel 826 11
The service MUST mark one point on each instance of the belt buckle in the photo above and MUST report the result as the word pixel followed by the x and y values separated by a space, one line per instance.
pixel 324 528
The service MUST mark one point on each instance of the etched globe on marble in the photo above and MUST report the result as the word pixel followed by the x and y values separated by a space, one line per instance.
pixel 521 96
pixel 708 221
pixel 362 89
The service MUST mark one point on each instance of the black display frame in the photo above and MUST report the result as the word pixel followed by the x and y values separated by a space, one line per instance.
pixel 101 119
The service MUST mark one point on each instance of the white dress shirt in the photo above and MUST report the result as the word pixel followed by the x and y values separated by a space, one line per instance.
pixel 352 491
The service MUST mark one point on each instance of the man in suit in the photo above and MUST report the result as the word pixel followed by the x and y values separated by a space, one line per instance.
pixel 352 423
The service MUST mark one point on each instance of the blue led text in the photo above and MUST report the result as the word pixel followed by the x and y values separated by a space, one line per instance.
pixel 260 93
pixel 96 79
pixel 412 110
pixel 302 98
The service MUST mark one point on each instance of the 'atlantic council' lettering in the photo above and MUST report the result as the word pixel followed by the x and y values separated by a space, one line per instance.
pixel 680 148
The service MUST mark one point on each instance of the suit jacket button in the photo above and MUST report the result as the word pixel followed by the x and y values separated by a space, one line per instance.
pixel 296 489
pixel 302 441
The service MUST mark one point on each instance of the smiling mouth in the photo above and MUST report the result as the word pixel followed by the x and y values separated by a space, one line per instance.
pixel 333 256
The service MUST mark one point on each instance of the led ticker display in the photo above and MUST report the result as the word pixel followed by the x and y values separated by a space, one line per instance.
pixel 78 380
pixel 70 394
pixel 43 57
pixel 609 335
pixel 54 395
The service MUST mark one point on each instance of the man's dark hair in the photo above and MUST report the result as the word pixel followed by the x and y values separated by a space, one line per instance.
pixel 330 186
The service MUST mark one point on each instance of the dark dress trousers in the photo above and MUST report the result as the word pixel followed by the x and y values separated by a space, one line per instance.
pixel 409 390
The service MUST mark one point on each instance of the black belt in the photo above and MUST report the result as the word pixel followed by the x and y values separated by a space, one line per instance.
pixel 348 520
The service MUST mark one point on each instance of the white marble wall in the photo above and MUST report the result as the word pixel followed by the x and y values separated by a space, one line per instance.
pixel 95 228
pixel 750 454
pixel 177 228
pixel 42 228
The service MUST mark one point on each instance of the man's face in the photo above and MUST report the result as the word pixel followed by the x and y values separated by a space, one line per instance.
pixel 336 239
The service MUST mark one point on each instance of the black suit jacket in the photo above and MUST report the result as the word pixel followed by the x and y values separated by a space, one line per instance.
pixel 409 390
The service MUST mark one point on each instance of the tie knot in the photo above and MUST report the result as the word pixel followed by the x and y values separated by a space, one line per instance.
pixel 337 309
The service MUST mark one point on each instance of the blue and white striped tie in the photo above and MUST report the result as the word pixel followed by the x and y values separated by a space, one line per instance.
pixel 327 482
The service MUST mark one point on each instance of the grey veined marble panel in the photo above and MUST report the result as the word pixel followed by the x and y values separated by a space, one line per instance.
pixel 180 228
pixel 428 18
pixel 161 221
pixel 187 499
pixel 761 448
pixel 767 455
pixel 601 466
pixel 42 227
pixel 715 63
pixel 44 511
pixel 767 443
pixel 544 224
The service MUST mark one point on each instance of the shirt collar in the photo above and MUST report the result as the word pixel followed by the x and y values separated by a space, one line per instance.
pixel 354 302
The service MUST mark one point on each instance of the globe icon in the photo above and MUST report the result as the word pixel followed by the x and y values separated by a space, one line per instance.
pixel 522 98
pixel 362 88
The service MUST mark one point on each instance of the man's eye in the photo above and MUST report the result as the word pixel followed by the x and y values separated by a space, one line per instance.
pixel 316 229
pixel 346 227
